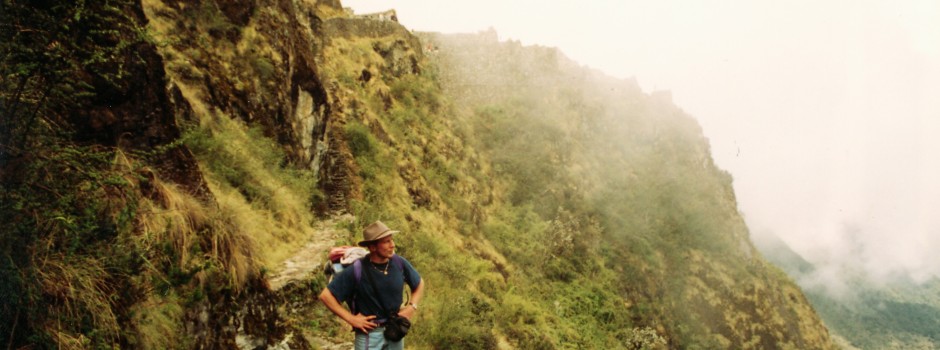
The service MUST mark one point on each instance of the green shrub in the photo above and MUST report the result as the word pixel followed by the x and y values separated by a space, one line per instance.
pixel 360 140
pixel 644 338
pixel 263 67
pixel 462 321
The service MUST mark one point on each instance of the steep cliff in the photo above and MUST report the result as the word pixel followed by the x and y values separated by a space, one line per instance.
pixel 547 205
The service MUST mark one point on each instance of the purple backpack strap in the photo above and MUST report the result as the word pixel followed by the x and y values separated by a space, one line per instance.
pixel 398 262
pixel 357 270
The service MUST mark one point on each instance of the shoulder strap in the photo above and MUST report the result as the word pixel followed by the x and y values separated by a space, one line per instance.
pixel 400 264
pixel 357 269
pixel 357 273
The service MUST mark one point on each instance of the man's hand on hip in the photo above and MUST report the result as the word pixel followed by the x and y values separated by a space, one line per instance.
pixel 362 322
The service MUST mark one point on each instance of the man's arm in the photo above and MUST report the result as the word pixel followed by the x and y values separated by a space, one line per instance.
pixel 357 321
pixel 416 294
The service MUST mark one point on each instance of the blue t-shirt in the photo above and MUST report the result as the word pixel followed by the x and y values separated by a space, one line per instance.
pixel 360 296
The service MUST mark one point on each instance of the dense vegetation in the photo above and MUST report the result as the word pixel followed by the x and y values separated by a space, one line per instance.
pixel 548 206
pixel 63 202
pixel 108 232
pixel 878 321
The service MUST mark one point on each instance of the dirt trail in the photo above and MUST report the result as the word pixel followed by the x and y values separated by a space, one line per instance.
pixel 310 258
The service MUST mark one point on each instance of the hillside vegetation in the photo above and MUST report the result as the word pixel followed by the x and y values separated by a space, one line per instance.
pixel 896 315
pixel 158 168
pixel 887 313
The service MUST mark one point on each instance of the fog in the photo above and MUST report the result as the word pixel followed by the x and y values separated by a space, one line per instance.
pixel 827 114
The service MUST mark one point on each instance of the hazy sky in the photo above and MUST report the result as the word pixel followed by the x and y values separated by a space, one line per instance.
pixel 827 113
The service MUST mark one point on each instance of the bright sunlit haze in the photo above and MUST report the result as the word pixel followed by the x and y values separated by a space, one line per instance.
pixel 826 113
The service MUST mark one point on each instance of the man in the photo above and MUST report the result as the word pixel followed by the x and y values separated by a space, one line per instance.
pixel 390 273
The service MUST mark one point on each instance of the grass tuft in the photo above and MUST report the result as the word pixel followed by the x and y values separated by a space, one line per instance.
pixel 82 291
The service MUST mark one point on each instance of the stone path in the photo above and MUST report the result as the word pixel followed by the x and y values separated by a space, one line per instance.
pixel 310 258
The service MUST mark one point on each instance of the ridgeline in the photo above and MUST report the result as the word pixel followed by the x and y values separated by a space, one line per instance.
pixel 167 165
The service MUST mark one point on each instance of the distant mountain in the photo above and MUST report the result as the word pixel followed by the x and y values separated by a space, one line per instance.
pixel 779 253
pixel 892 314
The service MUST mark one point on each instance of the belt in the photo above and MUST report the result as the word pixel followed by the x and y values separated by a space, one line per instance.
pixel 378 324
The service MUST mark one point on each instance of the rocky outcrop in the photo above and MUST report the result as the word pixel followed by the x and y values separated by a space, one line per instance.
pixel 252 60
pixel 401 55
pixel 140 112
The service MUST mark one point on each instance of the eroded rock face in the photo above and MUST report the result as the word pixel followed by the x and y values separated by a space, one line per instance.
pixel 247 59
pixel 310 122
pixel 252 319
pixel 139 112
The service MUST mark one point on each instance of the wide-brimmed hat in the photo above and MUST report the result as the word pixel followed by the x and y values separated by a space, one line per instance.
pixel 374 232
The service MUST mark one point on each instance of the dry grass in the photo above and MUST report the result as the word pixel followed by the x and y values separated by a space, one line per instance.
pixel 359 54
pixel 282 216
pixel 234 247
pixel 78 288
pixel 280 230
pixel 326 12
pixel 172 216
pixel 282 221
pixel 158 322
pixel 159 24
pixel 184 222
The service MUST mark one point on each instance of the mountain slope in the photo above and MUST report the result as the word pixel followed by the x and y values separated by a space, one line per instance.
pixel 640 167
pixel 897 313
pixel 548 206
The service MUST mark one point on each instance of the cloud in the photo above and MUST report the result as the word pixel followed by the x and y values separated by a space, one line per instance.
pixel 825 112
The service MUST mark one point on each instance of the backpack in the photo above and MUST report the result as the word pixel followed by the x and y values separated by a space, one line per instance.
pixel 340 258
